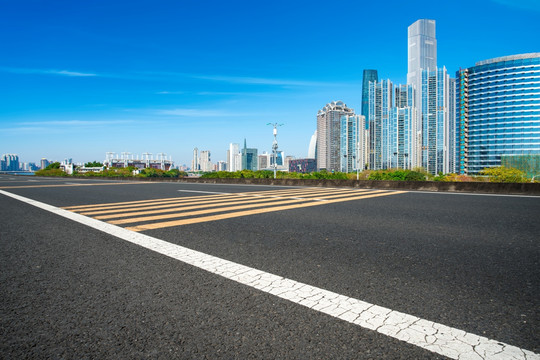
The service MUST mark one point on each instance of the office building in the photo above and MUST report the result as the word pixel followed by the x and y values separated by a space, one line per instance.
pixel 435 111
pixel 498 111
pixel 381 101
pixel 195 160
pixel 367 77
pixel 433 140
pixel 328 135
pixel 205 163
pixel 249 158
pixel 234 158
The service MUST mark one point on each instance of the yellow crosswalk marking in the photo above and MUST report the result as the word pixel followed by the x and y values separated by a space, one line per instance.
pixel 200 212
pixel 179 211
pixel 248 212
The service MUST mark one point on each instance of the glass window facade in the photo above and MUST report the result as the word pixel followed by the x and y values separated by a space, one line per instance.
pixel 498 111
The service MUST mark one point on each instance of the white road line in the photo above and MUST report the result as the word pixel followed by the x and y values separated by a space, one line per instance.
pixel 435 337
pixel 206 192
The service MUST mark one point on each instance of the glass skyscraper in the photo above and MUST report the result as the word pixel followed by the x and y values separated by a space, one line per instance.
pixel 352 146
pixel 368 75
pixel 498 107
pixel 392 117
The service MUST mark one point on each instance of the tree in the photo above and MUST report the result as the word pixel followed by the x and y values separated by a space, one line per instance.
pixel 503 174
pixel 54 165
pixel 93 164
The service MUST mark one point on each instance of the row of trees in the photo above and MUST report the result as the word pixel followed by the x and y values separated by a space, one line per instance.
pixel 130 171
pixel 494 174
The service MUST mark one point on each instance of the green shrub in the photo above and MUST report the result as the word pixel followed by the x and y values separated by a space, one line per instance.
pixel 503 174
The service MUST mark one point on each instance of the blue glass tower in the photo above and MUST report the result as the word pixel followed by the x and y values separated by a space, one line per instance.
pixel 498 109
pixel 368 75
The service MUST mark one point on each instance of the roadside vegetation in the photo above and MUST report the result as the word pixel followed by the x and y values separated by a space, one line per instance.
pixel 498 174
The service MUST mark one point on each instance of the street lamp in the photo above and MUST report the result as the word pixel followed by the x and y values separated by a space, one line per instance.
pixel 275 146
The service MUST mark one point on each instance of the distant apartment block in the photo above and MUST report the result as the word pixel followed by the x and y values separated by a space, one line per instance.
pixel 9 162
pixel 329 135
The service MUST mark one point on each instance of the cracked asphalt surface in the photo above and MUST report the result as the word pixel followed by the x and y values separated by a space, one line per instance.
pixel 68 291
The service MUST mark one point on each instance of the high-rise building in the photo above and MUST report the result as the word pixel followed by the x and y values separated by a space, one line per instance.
pixel 234 160
pixel 422 50
pixel 328 135
pixel 195 160
pixel 367 76
pixel 264 161
pixel 9 162
pixel 205 163
pixel 435 111
pixel 352 145
pixel 432 137
pixel 221 165
pixel 381 101
pixel 392 131
pixel 249 158
pixel 497 102
pixel 44 163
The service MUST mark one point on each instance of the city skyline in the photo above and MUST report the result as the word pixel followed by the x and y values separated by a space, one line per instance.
pixel 80 81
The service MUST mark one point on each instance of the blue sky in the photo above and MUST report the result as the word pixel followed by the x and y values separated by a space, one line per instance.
pixel 82 78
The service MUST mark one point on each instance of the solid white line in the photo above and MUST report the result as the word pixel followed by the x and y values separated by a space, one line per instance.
pixel 438 338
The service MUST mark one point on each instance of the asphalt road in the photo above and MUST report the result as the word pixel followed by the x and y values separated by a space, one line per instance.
pixel 68 291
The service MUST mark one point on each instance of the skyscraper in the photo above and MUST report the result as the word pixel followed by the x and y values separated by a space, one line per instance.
pixel 367 76
pixel 381 100
pixel 249 158
pixel 435 111
pixel 432 138
pixel 205 162
pixel 497 102
pixel 392 131
pixel 328 135
pixel 422 49
pixel 352 146
pixel 234 160
pixel 195 160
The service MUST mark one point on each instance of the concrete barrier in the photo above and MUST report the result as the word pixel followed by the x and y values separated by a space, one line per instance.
pixel 470 187
pixel 435 186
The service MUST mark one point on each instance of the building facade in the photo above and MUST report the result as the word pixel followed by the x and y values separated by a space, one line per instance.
pixel 9 162
pixel 498 108
pixel 205 163
pixel 352 144
pixel 368 75
pixel 381 101
pixel 234 158
pixel 249 158
pixel 304 166
pixel 329 135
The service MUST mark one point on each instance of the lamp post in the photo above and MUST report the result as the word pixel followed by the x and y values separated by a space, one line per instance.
pixel 275 146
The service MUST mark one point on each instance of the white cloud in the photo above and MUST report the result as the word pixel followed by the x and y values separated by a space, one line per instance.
pixel 46 72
